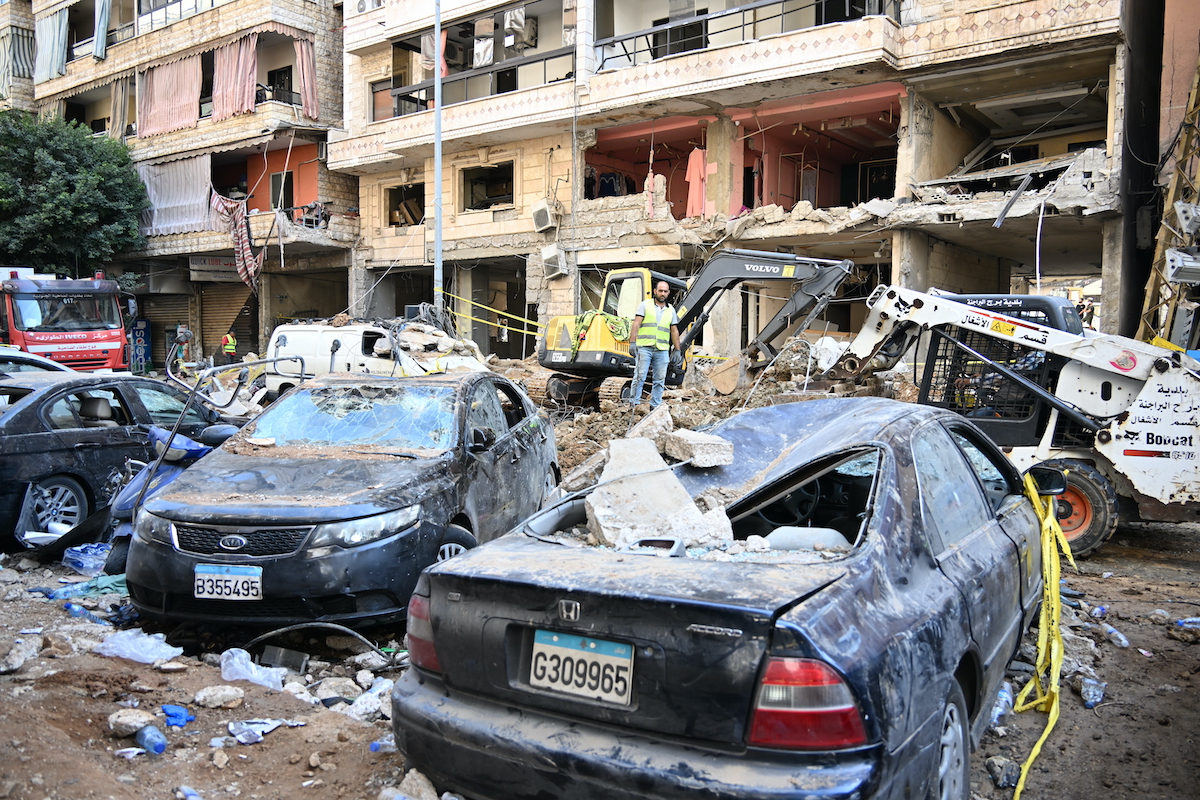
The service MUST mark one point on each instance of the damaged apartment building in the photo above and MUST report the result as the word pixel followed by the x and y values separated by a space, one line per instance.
pixel 226 105
pixel 971 146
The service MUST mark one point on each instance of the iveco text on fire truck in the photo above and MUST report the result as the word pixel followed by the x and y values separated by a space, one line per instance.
pixel 77 323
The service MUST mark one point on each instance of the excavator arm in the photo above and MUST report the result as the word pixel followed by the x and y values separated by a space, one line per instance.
pixel 816 281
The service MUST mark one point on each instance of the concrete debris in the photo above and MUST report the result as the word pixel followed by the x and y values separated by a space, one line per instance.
pixel 655 426
pixel 221 696
pixel 1004 771
pixel 640 498
pixel 129 721
pixel 20 651
pixel 702 449
pixel 880 208
pixel 417 786
pixel 344 688
pixel 370 660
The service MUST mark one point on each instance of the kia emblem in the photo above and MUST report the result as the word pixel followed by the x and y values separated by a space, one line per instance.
pixel 232 542
pixel 568 610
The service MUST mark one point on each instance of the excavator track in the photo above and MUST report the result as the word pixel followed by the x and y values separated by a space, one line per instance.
pixel 535 387
pixel 612 389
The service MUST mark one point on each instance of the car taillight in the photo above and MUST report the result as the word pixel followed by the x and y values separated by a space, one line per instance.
pixel 419 638
pixel 803 704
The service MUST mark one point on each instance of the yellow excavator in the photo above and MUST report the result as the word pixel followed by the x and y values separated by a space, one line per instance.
pixel 589 352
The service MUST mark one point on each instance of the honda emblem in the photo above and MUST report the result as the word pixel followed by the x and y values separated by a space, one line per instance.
pixel 568 610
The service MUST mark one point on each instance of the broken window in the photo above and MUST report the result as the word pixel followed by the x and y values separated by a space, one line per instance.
pixel 487 186
pixel 953 508
pixel 826 503
pixel 623 295
pixel 281 190
pixel 406 204
pixel 402 417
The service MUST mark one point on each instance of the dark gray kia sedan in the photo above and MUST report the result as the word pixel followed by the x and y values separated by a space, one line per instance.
pixel 856 658
pixel 330 503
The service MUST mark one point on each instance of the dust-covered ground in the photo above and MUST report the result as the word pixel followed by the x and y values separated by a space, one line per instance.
pixel 55 743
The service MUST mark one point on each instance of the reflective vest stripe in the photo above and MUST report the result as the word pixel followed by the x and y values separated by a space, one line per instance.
pixel 230 344
pixel 656 334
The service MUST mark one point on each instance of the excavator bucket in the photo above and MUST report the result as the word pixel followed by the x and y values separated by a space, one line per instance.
pixel 729 376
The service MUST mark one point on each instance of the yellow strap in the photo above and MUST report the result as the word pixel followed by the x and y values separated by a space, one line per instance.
pixel 1050 643
pixel 492 324
pixel 494 310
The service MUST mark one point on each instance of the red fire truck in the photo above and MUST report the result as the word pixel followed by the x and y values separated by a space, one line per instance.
pixel 77 323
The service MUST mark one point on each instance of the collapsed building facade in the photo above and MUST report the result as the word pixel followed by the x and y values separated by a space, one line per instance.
pixel 960 145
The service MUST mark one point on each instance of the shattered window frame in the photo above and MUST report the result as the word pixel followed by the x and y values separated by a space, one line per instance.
pixel 427 420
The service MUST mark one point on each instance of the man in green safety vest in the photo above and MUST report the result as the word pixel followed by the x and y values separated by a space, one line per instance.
pixel 654 334
pixel 229 347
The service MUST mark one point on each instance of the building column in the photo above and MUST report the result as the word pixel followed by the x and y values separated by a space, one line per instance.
pixel 1121 301
pixel 358 284
pixel 914 143
pixel 266 309
pixel 910 260
pixel 723 189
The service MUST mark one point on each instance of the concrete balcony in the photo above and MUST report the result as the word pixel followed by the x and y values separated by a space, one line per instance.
pixel 339 233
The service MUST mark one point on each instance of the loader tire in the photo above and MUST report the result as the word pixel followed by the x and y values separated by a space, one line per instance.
pixel 1087 510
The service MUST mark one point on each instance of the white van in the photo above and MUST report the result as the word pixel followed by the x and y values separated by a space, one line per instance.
pixel 325 349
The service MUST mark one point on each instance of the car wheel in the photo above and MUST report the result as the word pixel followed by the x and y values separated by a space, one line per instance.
pixel 455 541
pixel 1087 510
pixel 951 771
pixel 58 501
pixel 118 557
pixel 549 483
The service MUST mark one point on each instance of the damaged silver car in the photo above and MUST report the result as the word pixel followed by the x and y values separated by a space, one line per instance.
pixel 328 506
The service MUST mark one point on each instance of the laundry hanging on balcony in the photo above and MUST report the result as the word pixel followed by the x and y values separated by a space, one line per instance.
pixel 231 215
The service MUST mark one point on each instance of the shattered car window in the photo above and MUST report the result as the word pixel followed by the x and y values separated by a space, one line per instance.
pixel 407 417
pixel 10 397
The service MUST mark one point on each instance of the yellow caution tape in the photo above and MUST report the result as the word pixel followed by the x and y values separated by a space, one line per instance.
pixel 492 324
pixel 493 310
pixel 1050 643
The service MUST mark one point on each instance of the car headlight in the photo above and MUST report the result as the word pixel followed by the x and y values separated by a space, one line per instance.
pixel 150 528
pixel 355 532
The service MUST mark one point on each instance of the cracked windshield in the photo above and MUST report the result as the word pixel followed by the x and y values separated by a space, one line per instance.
pixel 405 417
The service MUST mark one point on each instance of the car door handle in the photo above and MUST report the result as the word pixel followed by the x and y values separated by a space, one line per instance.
pixel 84 445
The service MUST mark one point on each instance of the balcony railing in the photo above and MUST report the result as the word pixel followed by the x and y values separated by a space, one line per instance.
pixel 85 47
pixel 741 24
pixel 498 78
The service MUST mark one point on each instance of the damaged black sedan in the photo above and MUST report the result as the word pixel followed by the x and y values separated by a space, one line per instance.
pixel 331 502
pixel 845 641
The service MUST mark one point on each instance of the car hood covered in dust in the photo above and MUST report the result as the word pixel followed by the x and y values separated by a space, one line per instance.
pixel 328 485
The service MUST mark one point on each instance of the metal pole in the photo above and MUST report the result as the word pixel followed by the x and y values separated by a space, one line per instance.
pixel 438 281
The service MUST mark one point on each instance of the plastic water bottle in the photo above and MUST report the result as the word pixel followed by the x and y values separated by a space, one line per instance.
pixel 152 740
pixel 1098 612
pixel 1115 636
pixel 1092 692
pixel 385 745
pixel 76 610
pixel 1004 704
pixel 1189 622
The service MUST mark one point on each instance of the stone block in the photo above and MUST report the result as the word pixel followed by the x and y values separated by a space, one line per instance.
pixel 639 498
pixel 703 449
pixel 586 474
pixel 656 425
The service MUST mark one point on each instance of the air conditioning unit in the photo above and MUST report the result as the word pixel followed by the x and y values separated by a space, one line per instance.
pixel 1183 265
pixel 456 54
pixel 553 260
pixel 1189 217
pixel 546 214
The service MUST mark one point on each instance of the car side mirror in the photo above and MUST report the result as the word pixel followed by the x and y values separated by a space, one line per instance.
pixel 1050 480
pixel 481 439
pixel 215 435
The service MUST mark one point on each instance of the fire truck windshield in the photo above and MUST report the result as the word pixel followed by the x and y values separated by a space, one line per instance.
pixel 66 312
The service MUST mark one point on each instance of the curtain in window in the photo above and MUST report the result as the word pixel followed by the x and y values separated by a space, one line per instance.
pixel 169 97
pixel 234 67
pixel 306 66
pixel 178 193
pixel 51 34
pixel 16 57
pixel 118 116
pixel 100 37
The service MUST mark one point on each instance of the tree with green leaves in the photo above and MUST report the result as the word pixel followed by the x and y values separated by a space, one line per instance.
pixel 68 200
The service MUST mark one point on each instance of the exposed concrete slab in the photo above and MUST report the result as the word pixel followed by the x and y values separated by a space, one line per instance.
pixel 655 426
pixel 640 498
pixel 703 449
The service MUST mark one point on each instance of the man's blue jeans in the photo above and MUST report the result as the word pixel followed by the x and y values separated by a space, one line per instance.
pixel 655 361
